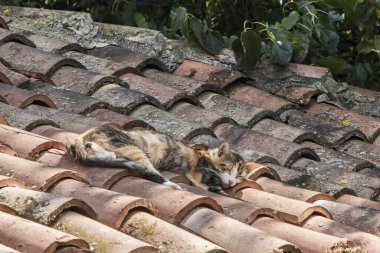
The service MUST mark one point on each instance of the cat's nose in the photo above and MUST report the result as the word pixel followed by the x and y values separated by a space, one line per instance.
pixel 230 182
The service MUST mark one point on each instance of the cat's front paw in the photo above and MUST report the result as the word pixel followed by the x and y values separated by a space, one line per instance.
pixel 173 185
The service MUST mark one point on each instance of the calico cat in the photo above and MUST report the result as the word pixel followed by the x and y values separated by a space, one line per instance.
pixel 147 153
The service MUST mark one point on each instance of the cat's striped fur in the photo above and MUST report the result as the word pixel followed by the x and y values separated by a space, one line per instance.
pixel 147 153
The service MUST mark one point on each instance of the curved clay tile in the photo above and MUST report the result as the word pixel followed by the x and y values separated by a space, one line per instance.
pixel 368 125
pixel 22 98
pixel 308 71
pixel 283 131
pixel 364 186
pixel 13 182
pixel 290 210
pixel 285 152
pixel 306 181
pixel 3 121
pixel 100 65
pixel 55 133
pixel 365 219
pixel 124 100
pixel 243 113
pixel 248 154
pixel 82 80
pixel 6 149
pixel 166 95
pixel 5 249
pixel 185 84
pixel 3 24
pixel 362 150
pixel 52 45
pixel 370 94
pixel 100 237
pixel 329 134
pixel 10 77
pixel 258 170
pixel 23 119
pixel 298 94
pixel 126 122
pixel 207 118
pixel 152 230
pixel 27 60
pixel 169 124
pixel 126 56
pixel 111 208
pixel 292 192
pixel 39 176
pixel 26 144
pixel 219 76
pixel 71 122
pixel 42 207
pixel 98 176
pixel 338 159
pixel 251 95
pixel 66 100
pixel 220 229
pixel 307 240
pixel 16 233
pixel 8 36
pixel 369 243
pixel 6 209
pixel 356 201
pixel 172 205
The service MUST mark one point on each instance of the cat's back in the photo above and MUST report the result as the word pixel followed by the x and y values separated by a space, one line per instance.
pixel 148 139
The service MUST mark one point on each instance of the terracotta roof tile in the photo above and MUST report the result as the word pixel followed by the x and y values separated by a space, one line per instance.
pixel 6 149
pixel 69 121
pixel 207 118
pixel 22 119
pixel 220 229
pixel 329 133
pixel 166 95
pixel 52 45
pixel 66 100
pixel 26 144
pixel 54 133
pixel 8 36
pixel 303 180
pixel 82 80
pixel 362 150
pixel 27 61
pixel 377 141
pixel 301 237
pixel 22 98
pixel 338 159
pixel 5 249
pixel 285 152
pixel 44 239
pixel 10 77
pixel 299 95
pixel 124 100
pixel 242 113
pixel 39 176
pixel 369 126
pixel 365 219
pixel 283 131
pixel 167 123
pixel 369 243
pixel 42 207
pixel 364 186
pixel 100 65
pixel 370 94
pixel 126 56
pixel 100 237
pixel 14 182
pixel 258 170
pixel 3 24
pixel 189 85
pixel 219 76
pixel 356 201
pixel 248 94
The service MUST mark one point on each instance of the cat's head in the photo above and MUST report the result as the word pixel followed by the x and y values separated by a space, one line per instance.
pixel 229 165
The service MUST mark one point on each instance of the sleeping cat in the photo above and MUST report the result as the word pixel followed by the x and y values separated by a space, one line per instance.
pixel 147 153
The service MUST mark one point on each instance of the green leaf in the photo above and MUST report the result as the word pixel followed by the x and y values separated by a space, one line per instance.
pixel 328 38
pixel 178 17
pixel 358 74
pixel 282 50
pixel 301 52
pixel 247 50
pixel 289 21
pixel 140 20
pixel 336 64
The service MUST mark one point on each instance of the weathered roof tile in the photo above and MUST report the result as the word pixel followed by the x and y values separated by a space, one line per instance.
pixel 8 36
pixel 10 77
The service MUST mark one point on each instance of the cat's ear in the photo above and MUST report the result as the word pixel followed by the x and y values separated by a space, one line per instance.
pixel 200 146
pixel 224 149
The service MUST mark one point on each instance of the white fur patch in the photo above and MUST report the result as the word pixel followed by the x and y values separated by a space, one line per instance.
pixel 173 185
pixel 105 155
